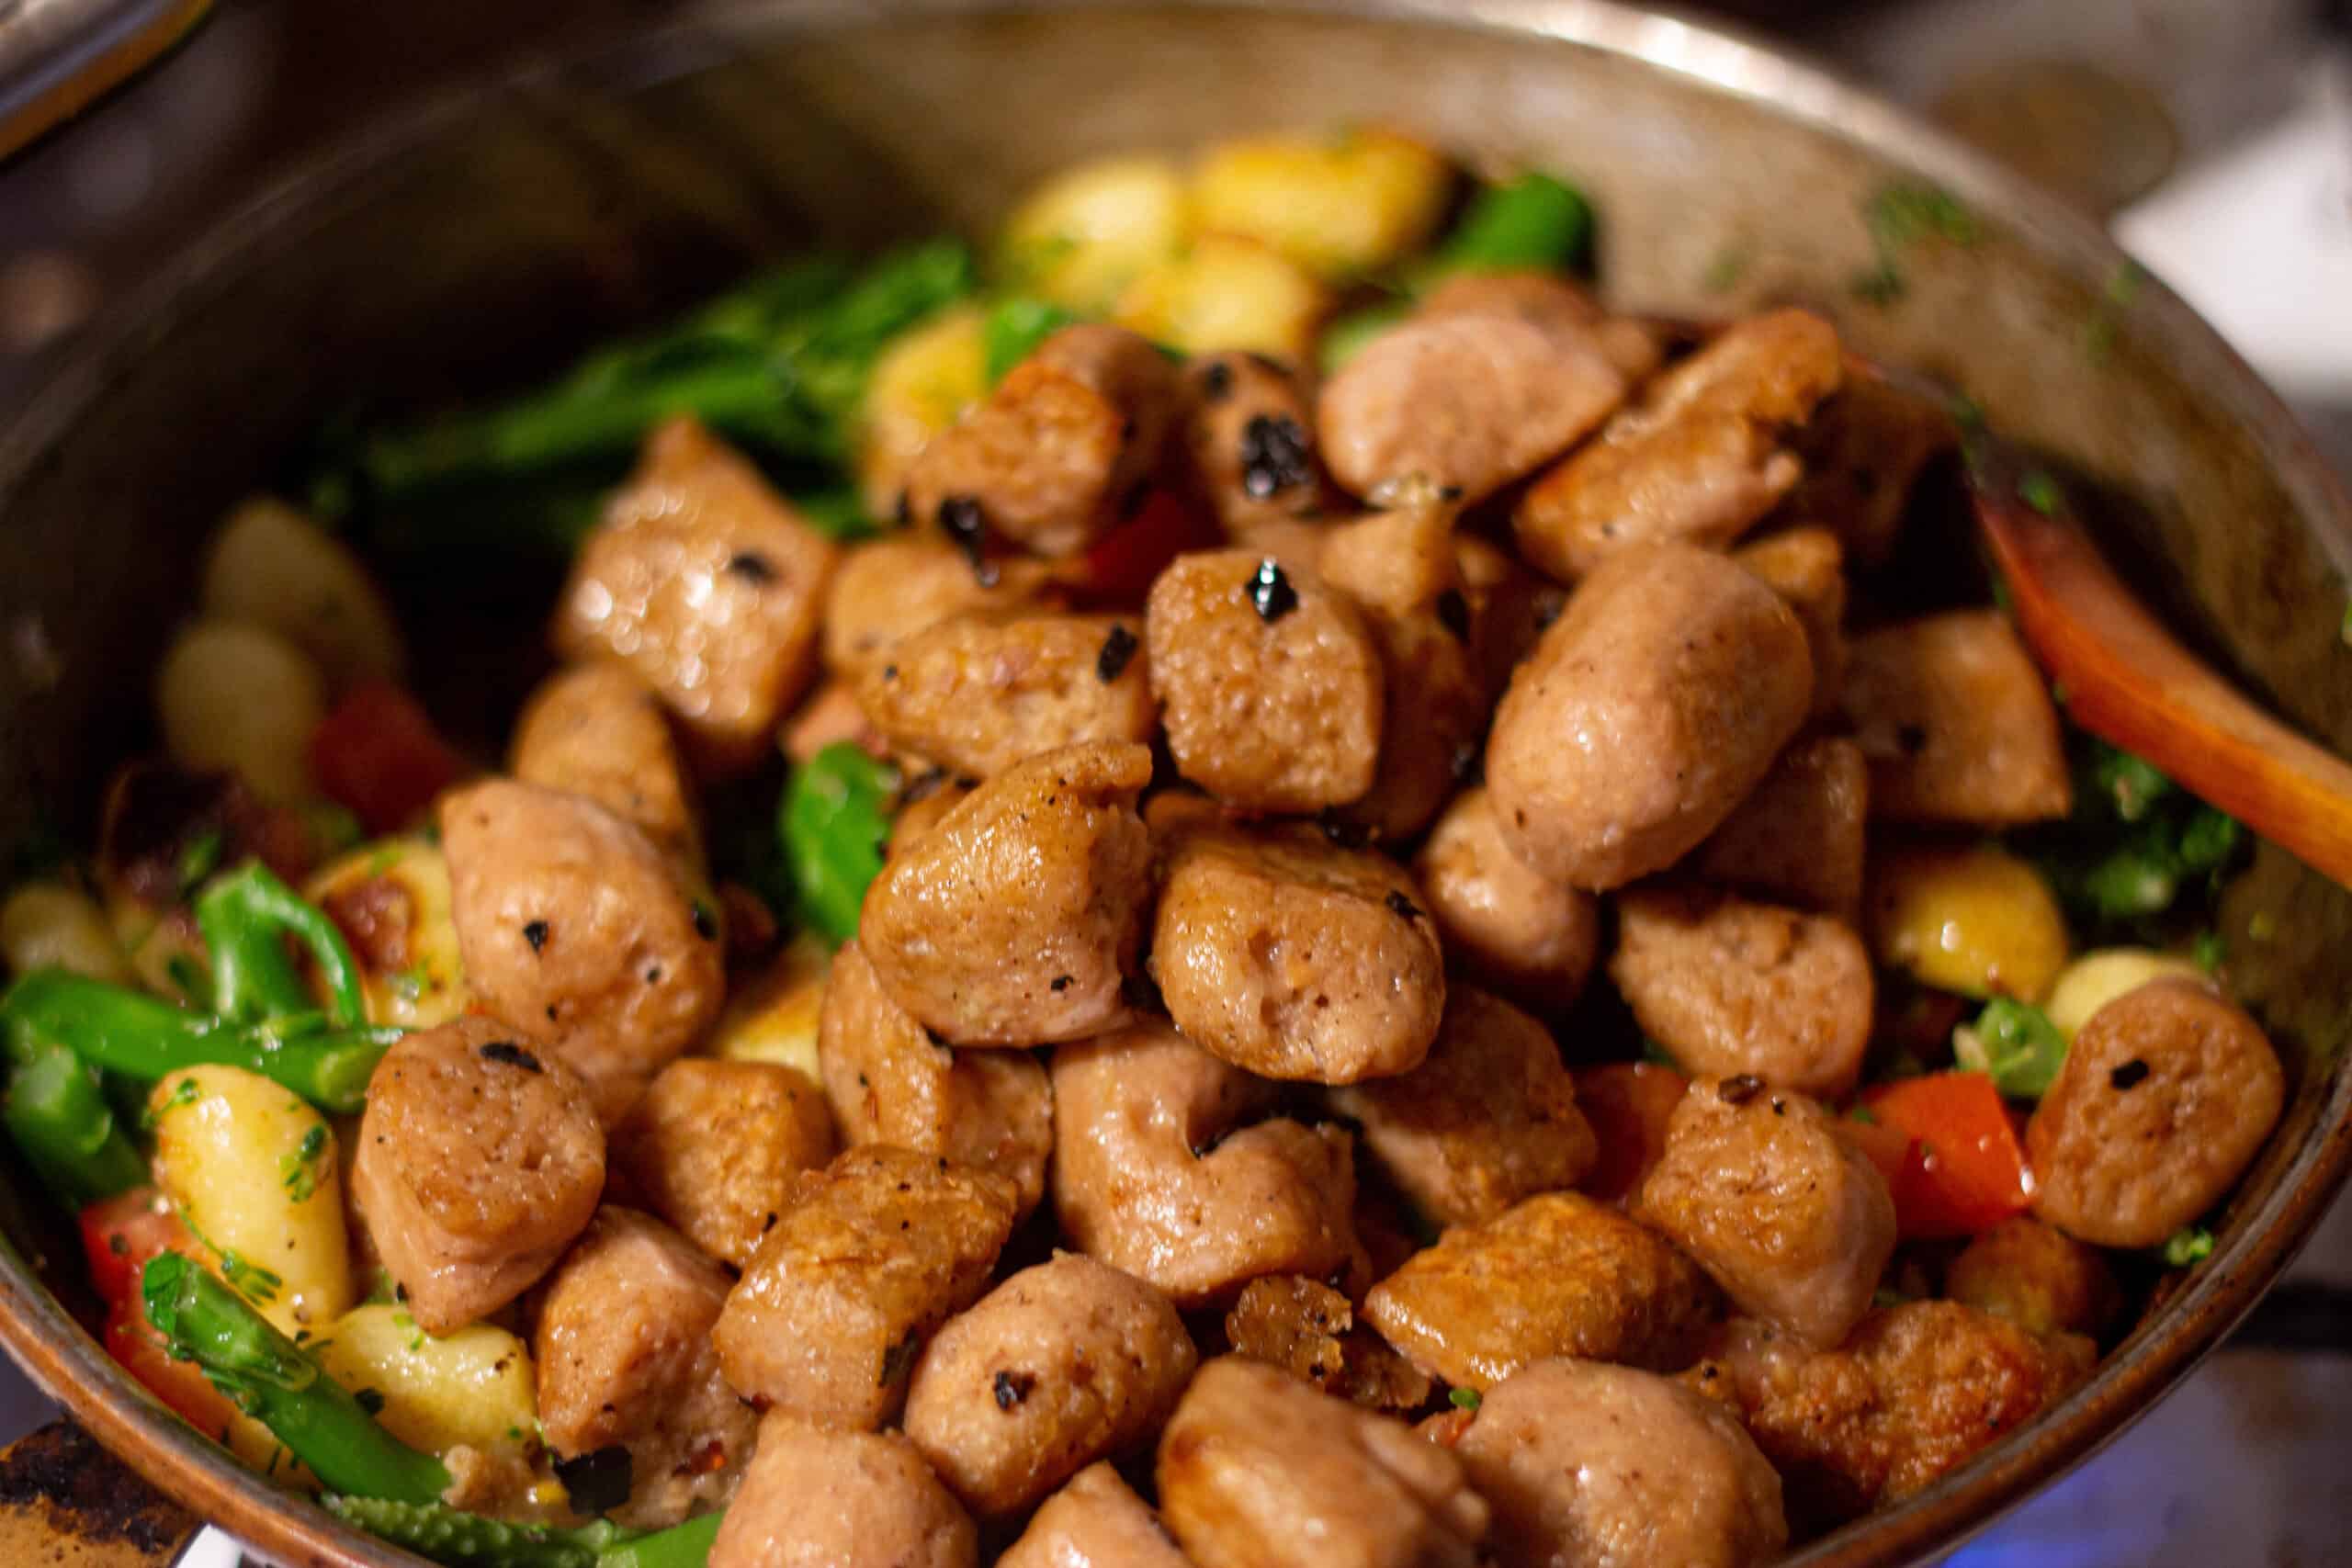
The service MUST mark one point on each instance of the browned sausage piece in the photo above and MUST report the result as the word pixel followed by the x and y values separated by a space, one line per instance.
pixel 1271 685
pixel 1293 957
pixel 1648 711
pixel 1798 834
pixel 1558 305
pixel 1309 1330
pixel 1559 1275
pixel 1728 987
pixel 1063 1364
pixel 1395 562
pixel 713 1149
pixel 1435 716
pixel 1016 920
pixel 2037 1276
pixel 1050 457
pixel 1531 940
pixel 873 1252
pixel 1510 606
pixel 887 1083
pixel 1096 1521
pixel 707 583
pixel 598 730
pixel 573 927
pixel 625 1360
pixel 1464 402
pixel 979 692
pixel 480 1159
pixel 1807 567
pixel 1918 1390
pixel 1863 453
pixel 1490 1117
pixel 2166 1094
pixel 1955 723
pixel 1587 1462
pixel 1794 1222
pixel 1256 1470
pixel 1697 459
pixel 1156 1172
pixel 893 587
pixel 1249 441
pixel 816 1497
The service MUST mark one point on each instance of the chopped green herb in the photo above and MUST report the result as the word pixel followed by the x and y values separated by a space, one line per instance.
pixel 2188 1245
pixel 1466 1398
pixel 1731 265
pixel 2041 491
pixel 184 1092
pixel 200 859
pixel 297 1171
pixel 1654 1053
pixel 2116 297
pixel 1900 216
pixel 1863 1114
pixel 2211 950
pixel 2014 1044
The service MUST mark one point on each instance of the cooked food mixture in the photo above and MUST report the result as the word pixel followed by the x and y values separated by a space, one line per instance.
pixel 1249 885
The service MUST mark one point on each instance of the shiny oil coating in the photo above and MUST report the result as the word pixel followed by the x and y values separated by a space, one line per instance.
pixel 1096 1521
pixel 624 1355
pixel 707 583
pixel 1647 712
pixel 1956 723
pixel 819 1497
pixel 1063 1364
pixel 1585 1464
pixel 977 694
pixel 1258 1470
pixel 598 730
pixel 479 1158
pixel 1016 920
pixel 1558 1275
pixel 1532 939
pixel 713 1145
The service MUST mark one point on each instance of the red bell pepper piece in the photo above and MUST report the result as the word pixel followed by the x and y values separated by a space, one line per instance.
pixel 1119 569
pixel 1628 1104
pixel 1950 1152
pixel 118 1235
pixel 378 753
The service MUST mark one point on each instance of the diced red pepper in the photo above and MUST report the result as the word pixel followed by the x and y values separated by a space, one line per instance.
pixel 378 753
pixel 1628 1104
pixel 118 1235
pixel 1950 1152
pixel 1120 568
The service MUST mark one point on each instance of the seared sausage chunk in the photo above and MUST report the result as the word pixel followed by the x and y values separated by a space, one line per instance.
pixel 1533 939
pixel 574 928
pixel 1096 1521
pixel 873 1253
pixel 888 589
pixel 1863 453
pixel 1648 711
pixel 625 1360
pixel 1063 1364
pixel 887 1083
pixel 1249 441
pixel 1490 1117
pixel 1157 1171
pixel 1791 1219
pixel 1464 401
pixel 1051 455
pixel 702 580
pixel 1806 567
pixel 1309 1330
pixel 1956 723
pixel 598 730
pixel 2037 1276
pixel 1270 683
pixel 1559 1275
pixel 1016 920
pixel 1256 1470
pixel 1696 460
pixel 819 1497
pixel 1728 986
pixel 1917 1391
pixel 1798 834
pixel 714 1146
pixel 1586 1462
pixel 979 692
pixel 2166 1094
pixel 480 1159
pixel 1293 957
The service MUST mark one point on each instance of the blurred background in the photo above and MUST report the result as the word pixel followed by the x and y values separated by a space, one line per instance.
pixel 2213 136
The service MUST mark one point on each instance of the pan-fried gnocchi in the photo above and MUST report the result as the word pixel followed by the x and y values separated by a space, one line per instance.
pixel 391 899
pixel 236 695
pixel 476 1388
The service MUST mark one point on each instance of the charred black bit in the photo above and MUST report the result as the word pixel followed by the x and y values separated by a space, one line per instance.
pixel 1142 993
pixel 1062 982
pixel 960 520
pixel 1273 455
pixel 1217 381
pixel 2129 1075
pixel 1270 592
pixel 889 672
pixel 1118 647
pixel 1404 906
pixel 1011 1388
pixel 599 1481
pixel 511 1054
pixel 535 933
pixel 705 922
pixel 752 566
pixel 1740 1090
pixel 1468 763
pixel 1454 613
pixel 1779 1106
pixel 1348 835
pixel 372 1400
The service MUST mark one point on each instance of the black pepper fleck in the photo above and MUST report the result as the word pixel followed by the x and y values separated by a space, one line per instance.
pixel 511 1054
pixel 535 933
pixel 1118 647
pixel 960 519
pixel 1740 1090
pixel 1348 835
pixel 1062 982
pixel 1273 455
pixel 2129 1075
pixel 1270 592
pixel 750 566
pixel 1217 381
pixel 1011 1388
pixel 1404 906
pixel 1454 613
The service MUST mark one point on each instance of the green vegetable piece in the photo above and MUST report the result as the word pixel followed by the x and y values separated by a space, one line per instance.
pixel 833 818
pixel 2134 882
pixel 270 1379
pixel 2186 1245
pixel 245 917
pixel 1466 1398
pixel 144 1038
pixel 468 1540
pixel 2040 489
pixel 2013 1043
pixel 1532 222
pixel 1015 327
pixel 2209 840
pixel 57 1113
pixel 838 512
pixel 1347 337
pixel 2130 784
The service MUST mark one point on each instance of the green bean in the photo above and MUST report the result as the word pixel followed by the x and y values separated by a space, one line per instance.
pixel 832 821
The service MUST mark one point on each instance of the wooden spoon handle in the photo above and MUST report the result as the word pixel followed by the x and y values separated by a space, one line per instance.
pixel 2129 682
